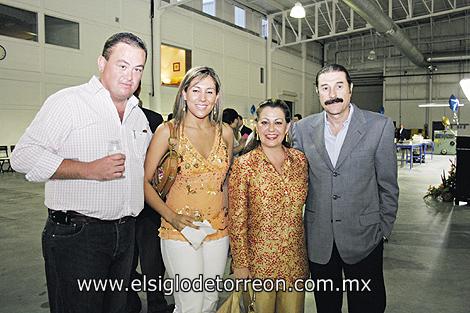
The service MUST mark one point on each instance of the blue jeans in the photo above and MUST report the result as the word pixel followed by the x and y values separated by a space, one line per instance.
pixel 88 251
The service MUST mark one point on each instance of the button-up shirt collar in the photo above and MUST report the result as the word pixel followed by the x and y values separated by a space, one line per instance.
pixel 334 143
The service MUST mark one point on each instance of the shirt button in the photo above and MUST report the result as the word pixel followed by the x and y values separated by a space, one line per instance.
pixel 336 197
pixel 335 174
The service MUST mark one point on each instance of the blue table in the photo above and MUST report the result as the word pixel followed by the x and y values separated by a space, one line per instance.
pixel 408 148
pixel 428 143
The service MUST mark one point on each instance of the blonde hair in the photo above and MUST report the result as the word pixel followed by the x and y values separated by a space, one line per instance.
pixel 199 73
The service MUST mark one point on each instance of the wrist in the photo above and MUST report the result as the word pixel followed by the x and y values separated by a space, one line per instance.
pixel 169 215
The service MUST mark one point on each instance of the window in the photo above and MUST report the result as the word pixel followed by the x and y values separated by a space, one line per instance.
pixel 240 17
pixel 208 6
pixel 18 23
pixel 264 28
pixel 61 32
pixel 174 64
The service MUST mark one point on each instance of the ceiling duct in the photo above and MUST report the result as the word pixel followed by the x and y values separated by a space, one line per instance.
pixel 373 15
pixel 449 58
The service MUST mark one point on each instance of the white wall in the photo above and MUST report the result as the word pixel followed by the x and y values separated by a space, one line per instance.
pixel 406 93
pixel 34 70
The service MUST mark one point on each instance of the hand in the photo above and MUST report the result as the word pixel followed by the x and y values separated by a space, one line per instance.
pixel 180 221
pixel 107 168
pixel 241 273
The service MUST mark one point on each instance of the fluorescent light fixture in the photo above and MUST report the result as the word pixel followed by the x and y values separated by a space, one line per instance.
pixel 465 85
pixel 436 105
pixel 298 11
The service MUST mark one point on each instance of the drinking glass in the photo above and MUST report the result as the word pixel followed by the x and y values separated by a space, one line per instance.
pixel 114 146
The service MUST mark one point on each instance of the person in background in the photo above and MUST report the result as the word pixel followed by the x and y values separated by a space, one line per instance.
pixel 353 194
pixel 244 131
pixel 88 144
pixel 147 244
pixel 402 133
pixel 197 193
pixel 267 191
pixel 297 117
pixel 230 117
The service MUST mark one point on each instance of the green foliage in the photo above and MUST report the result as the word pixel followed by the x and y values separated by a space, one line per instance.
pixel 446 190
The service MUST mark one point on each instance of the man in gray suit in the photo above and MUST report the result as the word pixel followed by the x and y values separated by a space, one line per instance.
pixel 353 195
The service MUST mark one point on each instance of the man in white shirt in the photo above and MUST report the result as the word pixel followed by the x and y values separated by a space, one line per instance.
pixel 88 144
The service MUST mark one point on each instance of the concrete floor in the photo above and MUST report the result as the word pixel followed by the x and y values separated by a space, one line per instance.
pixel 426 261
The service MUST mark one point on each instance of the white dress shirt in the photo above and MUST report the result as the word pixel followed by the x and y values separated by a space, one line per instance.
pixel 334 143
pixel 77 123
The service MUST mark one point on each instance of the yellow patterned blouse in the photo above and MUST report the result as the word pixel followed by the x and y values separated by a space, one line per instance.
pixel 265 215
pixel 197 190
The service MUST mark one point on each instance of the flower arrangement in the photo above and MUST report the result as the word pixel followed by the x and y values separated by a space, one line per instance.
pixel 446 190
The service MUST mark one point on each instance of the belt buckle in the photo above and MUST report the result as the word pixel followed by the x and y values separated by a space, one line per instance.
pixel 122 220
pixel 67 218
pixel 60 217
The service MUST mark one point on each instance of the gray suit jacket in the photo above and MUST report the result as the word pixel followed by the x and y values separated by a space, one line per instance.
pixel 355 203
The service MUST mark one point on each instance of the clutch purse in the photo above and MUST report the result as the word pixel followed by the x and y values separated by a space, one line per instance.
pixel 239 302
pixel 167 168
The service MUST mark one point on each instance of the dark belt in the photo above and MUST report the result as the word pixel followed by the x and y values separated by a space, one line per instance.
pixel 72 217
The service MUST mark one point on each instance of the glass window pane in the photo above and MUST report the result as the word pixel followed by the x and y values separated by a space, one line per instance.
pixel 62 32
pixel 239 17
pixel 264 28
pixel 18 23
pixel 208 6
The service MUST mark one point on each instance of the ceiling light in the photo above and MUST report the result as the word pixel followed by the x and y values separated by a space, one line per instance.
pixel 371 55
pixel 437 105
pixel 465 85
pixel 298 11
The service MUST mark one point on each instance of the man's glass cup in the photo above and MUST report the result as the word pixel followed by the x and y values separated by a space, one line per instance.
pixel 114 147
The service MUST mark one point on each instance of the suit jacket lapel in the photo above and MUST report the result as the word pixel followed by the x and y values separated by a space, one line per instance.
pixel 356 130
pixel 319 139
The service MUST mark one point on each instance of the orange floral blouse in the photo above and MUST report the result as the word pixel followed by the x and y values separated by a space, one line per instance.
pixel 197 190
pixel 265 215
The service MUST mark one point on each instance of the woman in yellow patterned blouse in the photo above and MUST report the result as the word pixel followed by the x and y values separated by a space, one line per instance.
pixel 197 192
pixel 267 190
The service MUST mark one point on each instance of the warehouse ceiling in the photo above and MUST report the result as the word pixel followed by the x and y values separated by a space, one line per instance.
pixel 333 18
pixel 404 24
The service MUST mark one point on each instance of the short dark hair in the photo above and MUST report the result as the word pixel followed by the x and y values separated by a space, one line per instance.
pixel 127 38
pixel 229 115
pixel 333 68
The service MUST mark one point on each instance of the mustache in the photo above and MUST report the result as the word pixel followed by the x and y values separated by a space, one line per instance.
pixel 335 100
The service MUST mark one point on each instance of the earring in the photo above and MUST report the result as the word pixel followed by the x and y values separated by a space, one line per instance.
pixel 214 113
pixel 257 136
pixel 287 137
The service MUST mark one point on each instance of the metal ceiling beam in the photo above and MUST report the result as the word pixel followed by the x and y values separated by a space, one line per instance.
pixel 317 17
pixel 370 12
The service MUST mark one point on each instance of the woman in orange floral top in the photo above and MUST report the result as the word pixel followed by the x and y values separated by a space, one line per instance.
pixel 267 190
pixel 205 149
